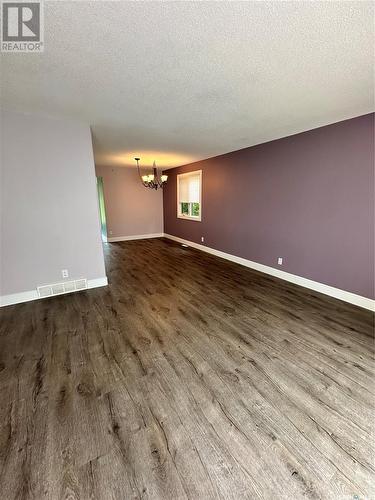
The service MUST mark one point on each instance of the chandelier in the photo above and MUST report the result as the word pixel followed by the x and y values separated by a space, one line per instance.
pixel 155 180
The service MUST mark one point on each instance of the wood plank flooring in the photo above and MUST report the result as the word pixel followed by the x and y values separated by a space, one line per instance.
pixel 188 377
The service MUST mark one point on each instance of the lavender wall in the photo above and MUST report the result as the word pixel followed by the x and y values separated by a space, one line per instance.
pixel 308 198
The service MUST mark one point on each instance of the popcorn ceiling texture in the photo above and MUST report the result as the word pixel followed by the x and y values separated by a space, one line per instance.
pixel 196 79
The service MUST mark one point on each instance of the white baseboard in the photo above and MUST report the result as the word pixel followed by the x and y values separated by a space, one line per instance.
pixel 337 293
pixel 97 282
pixel 17 298
pixel 135 237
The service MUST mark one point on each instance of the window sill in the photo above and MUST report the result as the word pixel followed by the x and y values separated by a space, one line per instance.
pixel 189 217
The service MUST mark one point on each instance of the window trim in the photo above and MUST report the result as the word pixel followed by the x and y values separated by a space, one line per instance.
pixel 179 214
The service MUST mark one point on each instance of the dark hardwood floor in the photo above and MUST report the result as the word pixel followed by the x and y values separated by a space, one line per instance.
pixel 188 377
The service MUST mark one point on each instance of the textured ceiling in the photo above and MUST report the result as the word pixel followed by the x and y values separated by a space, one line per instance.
pixel 181 81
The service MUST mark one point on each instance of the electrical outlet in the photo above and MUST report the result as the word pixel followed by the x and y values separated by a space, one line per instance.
pixel 280 261
pixel 202 239
pixel 110 231
pixel 65 273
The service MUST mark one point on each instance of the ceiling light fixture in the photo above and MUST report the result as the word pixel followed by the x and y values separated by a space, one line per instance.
pixel 155 180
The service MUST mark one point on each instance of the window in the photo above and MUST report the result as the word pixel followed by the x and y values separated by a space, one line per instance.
pixel 189 195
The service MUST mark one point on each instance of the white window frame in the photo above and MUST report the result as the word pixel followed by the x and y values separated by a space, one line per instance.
pixel 180 215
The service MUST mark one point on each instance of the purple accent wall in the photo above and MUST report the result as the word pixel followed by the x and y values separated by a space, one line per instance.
pixel 308 198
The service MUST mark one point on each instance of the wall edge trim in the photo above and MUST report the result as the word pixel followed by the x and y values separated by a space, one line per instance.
pixel 135 237
pixel 336 293
pixel 18 298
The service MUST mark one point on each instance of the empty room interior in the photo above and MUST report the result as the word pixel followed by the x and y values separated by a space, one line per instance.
pixel 187 250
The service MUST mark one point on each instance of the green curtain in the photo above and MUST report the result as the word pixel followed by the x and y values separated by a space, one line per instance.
pixel 103 222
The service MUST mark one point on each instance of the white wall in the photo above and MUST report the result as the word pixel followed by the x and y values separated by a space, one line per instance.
pixel 131 209
pixel 49 207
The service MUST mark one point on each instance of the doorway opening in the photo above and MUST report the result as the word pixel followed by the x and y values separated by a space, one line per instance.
pixel 102 217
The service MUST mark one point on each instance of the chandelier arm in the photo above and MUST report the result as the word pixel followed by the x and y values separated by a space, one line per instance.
pixel 145 184
pixel 139 171
pixel 159 181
